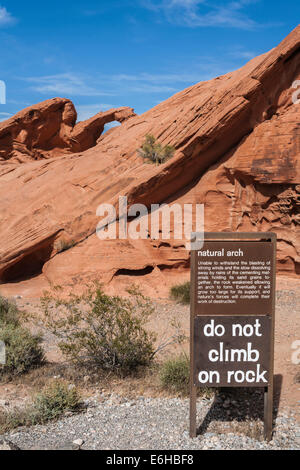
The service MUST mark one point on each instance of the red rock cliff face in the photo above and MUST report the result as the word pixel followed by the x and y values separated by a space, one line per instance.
pixel 237 141
pixel 49 129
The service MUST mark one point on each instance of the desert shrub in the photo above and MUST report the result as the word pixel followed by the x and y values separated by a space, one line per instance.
pixel 9 313
pixel 154 151
pixel 106 331
pixel 23 350
pixel 175 374
pixel 53 401
pixel 48 405
pixel 181 293
pixel 297 378
pixel 13 419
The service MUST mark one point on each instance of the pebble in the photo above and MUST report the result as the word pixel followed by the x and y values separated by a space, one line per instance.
pixel 78 442
pixel 4 403
pixel 154 423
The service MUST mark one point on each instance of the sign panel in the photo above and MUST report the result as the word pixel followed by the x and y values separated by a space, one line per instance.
pixel 234 278
pixel 232 351
pixel 232 315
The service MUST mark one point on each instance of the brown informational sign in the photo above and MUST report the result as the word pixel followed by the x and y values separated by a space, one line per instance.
pixel 232 315
pixel 234 278
pixel 232 351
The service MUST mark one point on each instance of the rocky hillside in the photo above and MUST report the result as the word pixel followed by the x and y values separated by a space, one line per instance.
pixel 237 141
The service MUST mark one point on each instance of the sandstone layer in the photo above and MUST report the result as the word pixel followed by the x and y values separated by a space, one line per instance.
pixel 49 129
pixel 237 141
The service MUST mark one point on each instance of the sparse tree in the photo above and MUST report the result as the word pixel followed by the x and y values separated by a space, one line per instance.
pixel 154 151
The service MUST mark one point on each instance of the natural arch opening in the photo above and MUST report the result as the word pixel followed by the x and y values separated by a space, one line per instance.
pixel 110 126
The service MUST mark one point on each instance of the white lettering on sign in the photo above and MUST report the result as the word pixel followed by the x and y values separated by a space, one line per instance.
pixel 225 352
pixel 249 376
pixel 204 253
pixel 233 355
pixel 227 282
pixel 211 330
pixel 243 330
pixel 239 330
pixel 210 376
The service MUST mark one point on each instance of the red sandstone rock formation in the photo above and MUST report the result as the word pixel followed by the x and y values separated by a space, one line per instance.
pixel 237 141
pixel 49 129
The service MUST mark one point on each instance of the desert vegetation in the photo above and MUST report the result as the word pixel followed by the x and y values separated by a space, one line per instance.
pixel 174 374
pixel 154 152
pixel 23 349
pixel 50 404
pixel 181 293
pixel 100 330
pixel 105 340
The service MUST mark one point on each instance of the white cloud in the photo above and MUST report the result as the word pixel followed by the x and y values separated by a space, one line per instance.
pixel 86 111
pixel 204 68
pixel 69 84
pixel 65 84
pixel 4 116
pixel 5 17
pixel 163 84
pixel 203 13
pixel 239 53
pixel 75 85
pixel 154 83
pixel 158 78
pixel 147 88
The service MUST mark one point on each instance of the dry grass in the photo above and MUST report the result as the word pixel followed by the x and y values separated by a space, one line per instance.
pixel 181 293
pixel 49 404
pixel 297 378
pixel 143 382
pixel 251 428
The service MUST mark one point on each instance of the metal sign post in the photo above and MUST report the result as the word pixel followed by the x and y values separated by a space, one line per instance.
pixel 233 316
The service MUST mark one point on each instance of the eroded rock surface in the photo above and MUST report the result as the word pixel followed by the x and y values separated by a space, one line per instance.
pixel 49 129
pixel 237 141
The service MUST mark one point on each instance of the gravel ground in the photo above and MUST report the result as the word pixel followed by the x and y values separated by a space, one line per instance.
pixel 234 420
pixel 115 423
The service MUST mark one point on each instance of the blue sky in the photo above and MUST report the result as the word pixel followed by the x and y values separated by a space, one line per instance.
pixel 136 53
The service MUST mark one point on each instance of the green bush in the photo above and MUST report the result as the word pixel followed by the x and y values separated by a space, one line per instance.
pixel 297 378
pixel 9 313
pixel 181 293
pixel 14 418
pixel 154 152
pixel 50 404
pixel 101 330
pixel 175 374
pixel 23 350
pixel 53 401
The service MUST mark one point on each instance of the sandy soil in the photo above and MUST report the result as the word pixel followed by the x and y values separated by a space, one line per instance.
pixel 287 332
